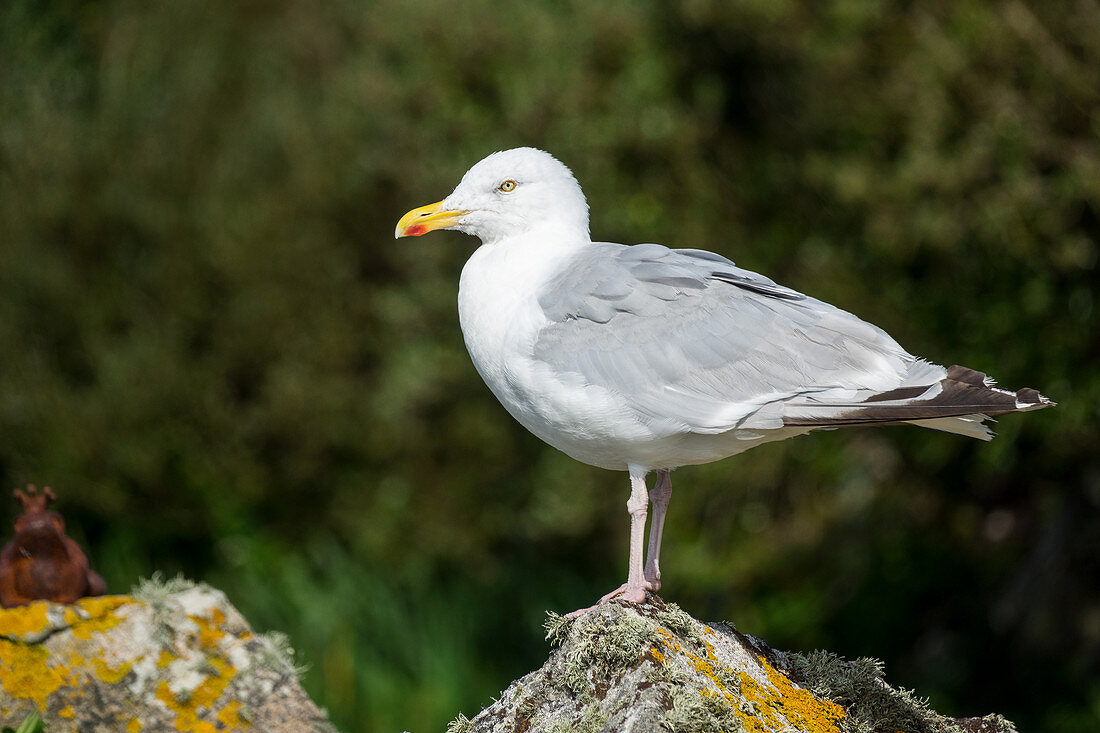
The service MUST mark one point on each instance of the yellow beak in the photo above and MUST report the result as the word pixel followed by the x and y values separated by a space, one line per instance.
pixel 426 219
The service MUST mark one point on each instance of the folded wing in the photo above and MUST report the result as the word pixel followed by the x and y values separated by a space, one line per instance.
pixel 694 343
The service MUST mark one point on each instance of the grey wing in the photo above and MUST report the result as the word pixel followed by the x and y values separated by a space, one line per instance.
pixel 687 338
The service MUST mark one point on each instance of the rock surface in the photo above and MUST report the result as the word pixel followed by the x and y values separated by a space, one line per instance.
pixel 172 656
pixel 652 667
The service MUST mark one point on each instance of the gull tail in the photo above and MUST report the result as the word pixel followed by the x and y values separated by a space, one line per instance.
pixel 960 403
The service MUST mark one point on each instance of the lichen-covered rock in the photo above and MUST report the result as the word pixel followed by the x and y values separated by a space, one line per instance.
pixel 652 667
pixel 170 657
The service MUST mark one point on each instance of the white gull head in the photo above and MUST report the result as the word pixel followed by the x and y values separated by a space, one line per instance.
pixel 507 194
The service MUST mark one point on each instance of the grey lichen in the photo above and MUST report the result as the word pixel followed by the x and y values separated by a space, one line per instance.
pixel 155 589
pixel 673 674
pixel 605 649
pixel 592 720
pixel 461 724
pixel 527 707
pixel 601 647
pixel 728 678
pixel 859 688
pixel 870 704
pixel 561 725
pixel 278 655
pixel 991 722
pixel 557 628
pixel 676 620
pixel 693 712
pixel 155 592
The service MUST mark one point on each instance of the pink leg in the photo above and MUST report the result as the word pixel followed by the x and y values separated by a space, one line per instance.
pixel 662 490
pixel 637 505
pixel 634 588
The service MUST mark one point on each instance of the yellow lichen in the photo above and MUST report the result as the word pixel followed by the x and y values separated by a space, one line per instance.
pixel 187 705
pixel 100 615
pixel 702 666
pixel 230 716
pixel 164 694
pixel 134 726
pixel 66 712
pixel 705 668
pixel 166 657
pixel 210 631
pixel 777 706
pixel 186 717
pixel 25 672
pixel 211 688
pixel 785 704
pixel 22 620
pixel 110 675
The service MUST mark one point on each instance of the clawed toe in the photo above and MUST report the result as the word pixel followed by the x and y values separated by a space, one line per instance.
pixel 627 592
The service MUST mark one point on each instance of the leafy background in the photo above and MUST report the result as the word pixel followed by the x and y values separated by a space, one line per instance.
pixel 217 354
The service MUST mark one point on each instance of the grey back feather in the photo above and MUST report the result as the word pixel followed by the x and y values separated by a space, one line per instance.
pixel 687 336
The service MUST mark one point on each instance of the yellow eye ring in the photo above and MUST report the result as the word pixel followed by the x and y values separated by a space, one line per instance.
pixel 507 186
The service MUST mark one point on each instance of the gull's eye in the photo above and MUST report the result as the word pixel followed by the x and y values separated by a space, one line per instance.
pixel 507 186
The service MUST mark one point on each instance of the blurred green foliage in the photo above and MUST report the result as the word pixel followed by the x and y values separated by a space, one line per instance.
pixel 31 724
pixel 217 354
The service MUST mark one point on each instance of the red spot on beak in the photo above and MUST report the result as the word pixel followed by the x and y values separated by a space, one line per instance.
pixel 415 230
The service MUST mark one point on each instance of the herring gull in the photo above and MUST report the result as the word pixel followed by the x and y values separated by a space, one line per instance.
pixel 644 358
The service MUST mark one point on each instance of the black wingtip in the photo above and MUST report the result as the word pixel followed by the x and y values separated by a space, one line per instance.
pixel 966 375
pixel 1032 399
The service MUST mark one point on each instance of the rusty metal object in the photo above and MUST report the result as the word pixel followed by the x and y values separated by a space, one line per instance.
pixel 41 562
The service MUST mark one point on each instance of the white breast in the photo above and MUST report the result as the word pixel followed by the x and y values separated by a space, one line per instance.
pixel 500 317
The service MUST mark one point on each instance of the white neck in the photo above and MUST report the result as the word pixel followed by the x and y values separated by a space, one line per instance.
pixel 529 258
pixel 498 291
